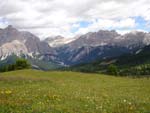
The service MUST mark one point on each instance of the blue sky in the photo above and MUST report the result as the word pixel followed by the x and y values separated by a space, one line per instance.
pixel 81 24
pixel 140 25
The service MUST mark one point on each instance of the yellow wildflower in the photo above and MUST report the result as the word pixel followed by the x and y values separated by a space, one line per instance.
pixel 8 92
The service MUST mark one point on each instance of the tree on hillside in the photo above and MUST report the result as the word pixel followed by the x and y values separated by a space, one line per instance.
pixel 11 67
pixel 18 65
pixel 112 69
pixel 22 64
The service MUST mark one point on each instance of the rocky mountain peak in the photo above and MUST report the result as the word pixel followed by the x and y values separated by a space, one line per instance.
pixel 13 41
pixel 58 41
pixel 10 28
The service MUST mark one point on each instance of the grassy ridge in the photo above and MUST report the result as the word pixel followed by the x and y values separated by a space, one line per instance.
pixel 30 91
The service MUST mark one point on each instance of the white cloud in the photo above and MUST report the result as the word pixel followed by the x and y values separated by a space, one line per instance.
pixel 58 17
pixel 128 31
pixel 108 24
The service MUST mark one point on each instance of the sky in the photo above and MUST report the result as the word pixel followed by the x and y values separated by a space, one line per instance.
pixel 69 18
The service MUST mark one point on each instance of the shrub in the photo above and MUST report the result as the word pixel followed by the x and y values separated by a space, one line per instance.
pixel 112 69
pixel 22 64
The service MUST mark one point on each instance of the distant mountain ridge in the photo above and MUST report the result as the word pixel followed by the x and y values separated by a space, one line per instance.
pixel 11 38
pixel 58 41
pixel 101 45
pixel 63 51
pixel 23 43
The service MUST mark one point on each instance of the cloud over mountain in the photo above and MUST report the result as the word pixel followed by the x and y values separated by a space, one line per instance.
pixel 68 18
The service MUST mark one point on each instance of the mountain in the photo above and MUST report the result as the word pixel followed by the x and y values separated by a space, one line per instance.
pixel 59 51
pixel 21 42
pixel 137 63
pixel 58 41
pixel 89 54
pixel 101 45
pixel 133 40
pixel 87 47
pixel 100 38
pixel 24 43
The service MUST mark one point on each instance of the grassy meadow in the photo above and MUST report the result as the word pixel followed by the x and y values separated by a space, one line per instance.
pixel 31 91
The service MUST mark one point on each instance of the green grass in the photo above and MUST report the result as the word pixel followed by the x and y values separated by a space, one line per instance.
pixel 30 91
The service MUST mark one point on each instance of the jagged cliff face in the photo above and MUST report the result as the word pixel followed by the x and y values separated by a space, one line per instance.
pixel 102 44
pixel 100 38
pixel 16 42
pixel 85 48
pixel 58 41
pixel 15 47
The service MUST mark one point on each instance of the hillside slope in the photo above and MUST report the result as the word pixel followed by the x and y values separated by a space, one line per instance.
pixel 31 91
pixel 137 63
pixel 35 63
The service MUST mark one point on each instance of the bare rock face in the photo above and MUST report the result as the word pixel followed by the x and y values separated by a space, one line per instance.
pixel 9 34
pixel 132 40
pixel 102 44
pixel 17 42
pixel 100 38
pixel 85 48
pixel 14 47
pixel 58 41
